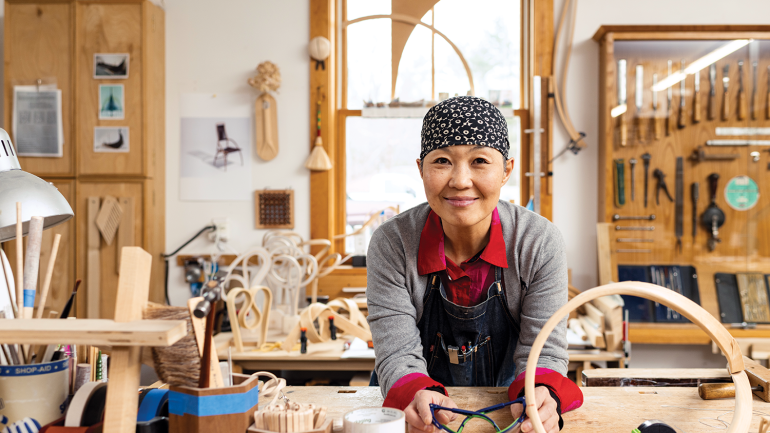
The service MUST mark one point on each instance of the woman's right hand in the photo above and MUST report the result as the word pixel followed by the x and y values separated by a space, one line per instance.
pixel 418 415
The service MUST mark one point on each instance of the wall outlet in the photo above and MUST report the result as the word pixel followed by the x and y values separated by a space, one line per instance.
pixel 221 230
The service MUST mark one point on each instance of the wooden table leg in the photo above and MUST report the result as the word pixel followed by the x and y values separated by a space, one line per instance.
pixel 125 367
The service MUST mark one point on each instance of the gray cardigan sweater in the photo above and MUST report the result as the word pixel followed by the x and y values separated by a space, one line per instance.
pixel 536 256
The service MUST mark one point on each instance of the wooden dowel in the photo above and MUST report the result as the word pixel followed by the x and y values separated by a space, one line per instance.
pixel 48 276
pixel 32 264
pixel 19 263
pixel 741 105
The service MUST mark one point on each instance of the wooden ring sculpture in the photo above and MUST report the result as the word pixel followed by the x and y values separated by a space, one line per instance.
pixel 259 318
pixel 691 310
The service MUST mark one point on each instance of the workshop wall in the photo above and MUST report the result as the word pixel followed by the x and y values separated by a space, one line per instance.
pixel 214 47
pixel 576 177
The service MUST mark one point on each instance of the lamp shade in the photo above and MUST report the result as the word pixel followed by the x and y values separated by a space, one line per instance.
pixel 37 197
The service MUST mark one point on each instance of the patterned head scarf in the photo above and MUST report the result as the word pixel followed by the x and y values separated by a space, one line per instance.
pixel 464 120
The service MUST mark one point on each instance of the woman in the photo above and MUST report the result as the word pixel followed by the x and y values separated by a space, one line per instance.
pixel 458 288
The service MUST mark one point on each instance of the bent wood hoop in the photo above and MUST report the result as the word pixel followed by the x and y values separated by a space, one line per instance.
pixel 673 300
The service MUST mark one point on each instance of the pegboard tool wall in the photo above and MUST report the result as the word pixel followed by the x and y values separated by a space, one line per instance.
pixel 745 235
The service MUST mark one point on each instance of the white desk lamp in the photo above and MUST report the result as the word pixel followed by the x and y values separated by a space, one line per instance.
pixel 37 197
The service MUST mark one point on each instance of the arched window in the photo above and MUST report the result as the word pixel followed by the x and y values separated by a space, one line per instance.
pixel 398 57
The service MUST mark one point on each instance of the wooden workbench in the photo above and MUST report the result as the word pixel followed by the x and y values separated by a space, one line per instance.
pixel 605 410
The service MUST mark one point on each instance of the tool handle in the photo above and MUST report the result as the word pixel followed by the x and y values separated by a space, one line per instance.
pixel 696 107
pixel 725 106
pixel 623 130
pixel 713 180
pixel 669 121
pixel 712 107
pixel 639 125
pixel 712 391
pixel 753 105
pixel 695 192
pixel 767 106
pixel 204 380
pixel 741 105
pixel 656 127
pixel 680 117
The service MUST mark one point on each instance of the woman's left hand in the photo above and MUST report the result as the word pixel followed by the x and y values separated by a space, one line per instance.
pixel 546 408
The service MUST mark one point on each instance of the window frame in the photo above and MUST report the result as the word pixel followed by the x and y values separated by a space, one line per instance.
pixel 328 189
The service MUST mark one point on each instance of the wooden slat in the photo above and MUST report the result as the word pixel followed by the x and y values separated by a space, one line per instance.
pixel 683 31
pixel 323 188
pixel 125 363
pixel 94 332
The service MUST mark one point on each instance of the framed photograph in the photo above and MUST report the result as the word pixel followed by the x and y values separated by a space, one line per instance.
pixel 111 102
pixel 111 65
pixel 111 139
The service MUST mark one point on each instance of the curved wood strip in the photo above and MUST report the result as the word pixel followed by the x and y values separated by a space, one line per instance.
pixel 673 300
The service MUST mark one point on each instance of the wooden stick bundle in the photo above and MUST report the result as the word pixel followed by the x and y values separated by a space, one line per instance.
pixel 290 417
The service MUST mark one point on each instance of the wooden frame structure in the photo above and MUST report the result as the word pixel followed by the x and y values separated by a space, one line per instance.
pixel 741 252
pixel 707 322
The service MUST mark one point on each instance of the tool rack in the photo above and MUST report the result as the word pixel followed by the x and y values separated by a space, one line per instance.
pixel 745 235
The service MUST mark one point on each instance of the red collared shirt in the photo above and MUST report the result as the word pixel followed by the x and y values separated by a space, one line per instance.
pixel 465 285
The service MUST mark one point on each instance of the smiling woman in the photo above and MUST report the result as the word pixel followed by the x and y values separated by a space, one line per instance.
pixel 458 288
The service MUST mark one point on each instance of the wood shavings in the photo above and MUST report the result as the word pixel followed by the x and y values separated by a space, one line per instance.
pixel 268 78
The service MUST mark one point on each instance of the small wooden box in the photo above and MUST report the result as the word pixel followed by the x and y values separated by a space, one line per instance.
pixel 214 410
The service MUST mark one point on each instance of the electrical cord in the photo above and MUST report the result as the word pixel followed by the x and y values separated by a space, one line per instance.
pixel 167 256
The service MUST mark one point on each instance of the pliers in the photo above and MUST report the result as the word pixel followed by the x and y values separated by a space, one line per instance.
pixel 661 185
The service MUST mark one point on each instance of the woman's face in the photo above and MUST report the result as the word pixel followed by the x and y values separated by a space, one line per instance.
pixel 462 183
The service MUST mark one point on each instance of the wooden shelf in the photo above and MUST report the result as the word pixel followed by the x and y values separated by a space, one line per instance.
pixel 685 333
pixel 94 332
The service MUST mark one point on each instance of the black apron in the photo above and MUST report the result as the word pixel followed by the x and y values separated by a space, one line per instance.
pixel 468 346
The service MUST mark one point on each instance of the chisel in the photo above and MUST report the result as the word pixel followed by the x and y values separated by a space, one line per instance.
pixel 669 100
pixel 639 100
pixel 767 96
pixel 712 102
pixel 725 85
pixel 622 101
pixel 620 181
pixel 696 99
pixel 741 93
pixel 680 120
pixel 679 202
pixel 753 102
pixel 655 120
pixel 695 194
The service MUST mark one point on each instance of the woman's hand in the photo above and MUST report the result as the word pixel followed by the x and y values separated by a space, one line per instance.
pixel 418 412
pixel 546 408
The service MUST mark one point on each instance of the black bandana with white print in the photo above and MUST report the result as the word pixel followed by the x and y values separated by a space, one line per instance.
pixel 464 120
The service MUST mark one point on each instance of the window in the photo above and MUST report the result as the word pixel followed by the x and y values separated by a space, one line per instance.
pixel 416 53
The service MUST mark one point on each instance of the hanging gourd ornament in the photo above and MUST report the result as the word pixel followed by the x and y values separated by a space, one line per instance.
pixel 319 49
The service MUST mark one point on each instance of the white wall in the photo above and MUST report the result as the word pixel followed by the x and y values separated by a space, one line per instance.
pixel 215 47
pixel 575 177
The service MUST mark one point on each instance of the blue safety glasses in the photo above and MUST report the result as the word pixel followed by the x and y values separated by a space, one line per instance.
pixel 480 414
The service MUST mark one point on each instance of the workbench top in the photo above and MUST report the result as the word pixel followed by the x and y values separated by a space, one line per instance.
pixel 605 410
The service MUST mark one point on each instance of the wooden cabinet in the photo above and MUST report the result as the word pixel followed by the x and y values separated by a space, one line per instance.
pixel 56 42
pixel 649 50
pixel 38 43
